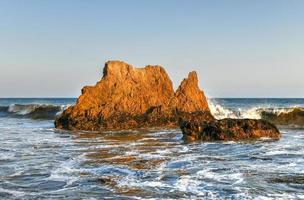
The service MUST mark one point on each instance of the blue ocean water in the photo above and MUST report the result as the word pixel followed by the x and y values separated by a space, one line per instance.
pixel 40 101
pixel 39 162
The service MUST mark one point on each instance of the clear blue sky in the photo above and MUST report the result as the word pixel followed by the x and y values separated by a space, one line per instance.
pixel 52 48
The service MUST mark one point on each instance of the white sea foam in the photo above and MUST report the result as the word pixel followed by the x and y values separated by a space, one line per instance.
pixel 220 111
pixel 252 113
pixel 192 185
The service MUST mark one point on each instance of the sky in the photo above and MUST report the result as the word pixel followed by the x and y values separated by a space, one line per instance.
pixel 52 48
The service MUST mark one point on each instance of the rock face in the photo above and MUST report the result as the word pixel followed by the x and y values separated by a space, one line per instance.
pixel 229 129
pixel 128 97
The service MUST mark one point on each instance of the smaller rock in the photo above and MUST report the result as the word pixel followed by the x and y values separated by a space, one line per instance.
pixel 228 129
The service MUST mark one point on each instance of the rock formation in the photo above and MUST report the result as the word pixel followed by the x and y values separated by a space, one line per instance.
pixel 229 129
pixel 128 97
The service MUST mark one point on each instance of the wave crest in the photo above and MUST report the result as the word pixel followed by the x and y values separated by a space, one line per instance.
pixel 34 111
pixel 219 112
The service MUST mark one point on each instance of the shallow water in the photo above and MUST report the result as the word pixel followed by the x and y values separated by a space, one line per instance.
pixel 40 162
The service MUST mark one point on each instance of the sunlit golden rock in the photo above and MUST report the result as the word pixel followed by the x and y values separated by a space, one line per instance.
pixel 128 97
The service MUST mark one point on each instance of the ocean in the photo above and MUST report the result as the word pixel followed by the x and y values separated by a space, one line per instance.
pixel 39 162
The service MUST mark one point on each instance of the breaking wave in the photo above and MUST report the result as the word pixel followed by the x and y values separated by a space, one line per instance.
pixel 34 111
pixel 280 116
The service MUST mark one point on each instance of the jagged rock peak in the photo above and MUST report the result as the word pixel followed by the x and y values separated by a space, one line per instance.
pixel 190 97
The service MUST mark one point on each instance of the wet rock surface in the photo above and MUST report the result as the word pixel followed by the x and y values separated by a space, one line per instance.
pixel 229 129
pixel 128 97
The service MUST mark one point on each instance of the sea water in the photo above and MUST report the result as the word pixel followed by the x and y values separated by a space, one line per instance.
pixel 39 162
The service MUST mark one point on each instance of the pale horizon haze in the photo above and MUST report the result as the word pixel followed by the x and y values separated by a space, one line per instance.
pixel 239 48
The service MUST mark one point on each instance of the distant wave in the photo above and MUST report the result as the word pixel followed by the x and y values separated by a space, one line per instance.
pixel 34 111
pixel 279 116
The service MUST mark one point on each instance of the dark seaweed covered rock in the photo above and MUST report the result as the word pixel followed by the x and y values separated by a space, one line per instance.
pixel 229 129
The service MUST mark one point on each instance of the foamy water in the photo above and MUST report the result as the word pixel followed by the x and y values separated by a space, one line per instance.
pixel 254 108
pixel 40 162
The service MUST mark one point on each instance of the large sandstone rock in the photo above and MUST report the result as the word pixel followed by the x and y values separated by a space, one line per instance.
pixel 229 129
pixel 128 97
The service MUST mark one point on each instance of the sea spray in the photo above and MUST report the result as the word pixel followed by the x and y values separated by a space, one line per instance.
pixel 293 115
pixel 220 112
